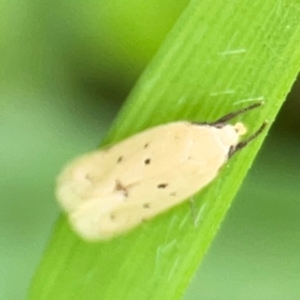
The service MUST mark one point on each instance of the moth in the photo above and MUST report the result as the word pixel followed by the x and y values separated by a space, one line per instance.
pixel 112 190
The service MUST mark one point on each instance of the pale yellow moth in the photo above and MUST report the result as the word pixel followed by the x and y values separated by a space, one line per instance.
pixel 107 192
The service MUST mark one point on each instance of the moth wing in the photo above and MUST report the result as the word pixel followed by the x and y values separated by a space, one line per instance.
pixel 97 172
pixel 101 219
pixel 110 191
pixel 91 223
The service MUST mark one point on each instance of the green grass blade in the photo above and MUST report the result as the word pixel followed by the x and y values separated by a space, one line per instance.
pixel 220 56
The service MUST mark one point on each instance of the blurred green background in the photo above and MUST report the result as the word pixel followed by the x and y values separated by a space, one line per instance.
pixel 66 67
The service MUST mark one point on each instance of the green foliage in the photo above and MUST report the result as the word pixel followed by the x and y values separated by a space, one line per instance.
pixel 218 57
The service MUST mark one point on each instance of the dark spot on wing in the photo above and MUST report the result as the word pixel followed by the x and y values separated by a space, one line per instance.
pixel 120 187
pixel 88 177
pixel 173 194
pixel 120 159
pixel 146 205
pixel 162 185
pixel 147 161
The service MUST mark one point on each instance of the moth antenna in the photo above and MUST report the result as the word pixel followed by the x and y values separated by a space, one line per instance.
pixel 232 115
pixel 244 143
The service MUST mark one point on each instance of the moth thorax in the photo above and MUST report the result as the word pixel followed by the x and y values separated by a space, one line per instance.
pixel 229 134
pixel 240 128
